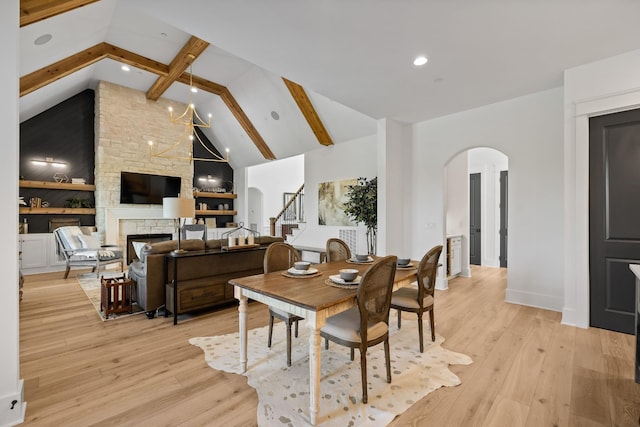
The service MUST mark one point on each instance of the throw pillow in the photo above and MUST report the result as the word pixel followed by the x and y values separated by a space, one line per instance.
pixel 89 242
pixel 137 247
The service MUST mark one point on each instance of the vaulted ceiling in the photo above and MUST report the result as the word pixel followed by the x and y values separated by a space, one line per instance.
pixel 281 78
pixel 159 57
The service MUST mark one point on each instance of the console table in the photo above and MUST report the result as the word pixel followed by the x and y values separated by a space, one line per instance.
pixel 210 287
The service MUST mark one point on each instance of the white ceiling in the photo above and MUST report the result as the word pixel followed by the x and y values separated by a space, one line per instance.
pixel 354 57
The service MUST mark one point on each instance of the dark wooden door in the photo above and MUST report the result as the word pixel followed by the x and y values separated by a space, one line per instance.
pixel 614 218
pixel 475 236
pixel 504 208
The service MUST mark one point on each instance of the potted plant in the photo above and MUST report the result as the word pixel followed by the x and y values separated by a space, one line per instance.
pixel 78 202
pixel 362 207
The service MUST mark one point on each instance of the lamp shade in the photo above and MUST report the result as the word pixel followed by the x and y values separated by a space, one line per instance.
pixel 178 207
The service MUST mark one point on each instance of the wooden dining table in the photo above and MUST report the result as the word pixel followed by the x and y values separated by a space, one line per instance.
pixel 310 298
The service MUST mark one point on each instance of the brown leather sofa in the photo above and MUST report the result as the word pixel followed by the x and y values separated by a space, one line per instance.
pixel 202 279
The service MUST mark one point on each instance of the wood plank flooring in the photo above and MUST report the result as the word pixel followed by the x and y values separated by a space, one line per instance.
pixel 528 370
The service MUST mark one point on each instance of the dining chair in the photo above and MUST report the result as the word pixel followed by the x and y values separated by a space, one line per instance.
pixel 421 298
pixel 337 250
pixel 367 323
pixel 278 257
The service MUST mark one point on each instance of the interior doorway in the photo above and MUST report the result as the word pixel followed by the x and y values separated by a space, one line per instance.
pixel 488 165
pixel 614 207
pixel 475 219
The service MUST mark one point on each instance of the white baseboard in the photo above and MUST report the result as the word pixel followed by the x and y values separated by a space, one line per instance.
pixel 546 302
pixel 570 318
pixel 442 283
pixel 13 407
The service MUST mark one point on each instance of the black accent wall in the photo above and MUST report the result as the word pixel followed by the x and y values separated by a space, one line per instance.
pixel 221 172
pixel 64 132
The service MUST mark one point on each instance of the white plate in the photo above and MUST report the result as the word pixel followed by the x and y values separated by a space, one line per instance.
pixel 295 272
pixel 410 265
pixel 335 278
pixel 356 261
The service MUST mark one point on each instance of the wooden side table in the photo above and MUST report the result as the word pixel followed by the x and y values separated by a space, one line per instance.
pixel 116 295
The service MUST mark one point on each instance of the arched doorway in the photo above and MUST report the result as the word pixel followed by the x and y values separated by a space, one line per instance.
pixel 476 204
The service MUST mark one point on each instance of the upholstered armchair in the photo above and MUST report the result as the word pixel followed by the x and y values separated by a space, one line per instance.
pixel 84 250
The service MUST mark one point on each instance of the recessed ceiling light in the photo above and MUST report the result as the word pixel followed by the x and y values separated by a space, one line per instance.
pixel 275 115
pixel 420 60
pixel 125 68
pixel 43 39
pixel 164 35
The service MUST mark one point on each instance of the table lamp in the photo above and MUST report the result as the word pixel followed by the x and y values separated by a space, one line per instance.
pixel 176 208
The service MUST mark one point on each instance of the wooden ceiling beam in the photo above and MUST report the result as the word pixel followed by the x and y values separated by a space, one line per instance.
pixel 234 107
pixel 246 124
pixel 202 84
pixel 64 67
pixel 309 112
pixel 135 60
pixel 189 52
pixel 73 63
pixel 37 10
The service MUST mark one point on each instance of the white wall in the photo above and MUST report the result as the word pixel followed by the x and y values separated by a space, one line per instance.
pixel 457 205
pixel 529 131
pixel 594 89
pixel 10 382
pixel 390 140
pixel 338 162
pixel 274 179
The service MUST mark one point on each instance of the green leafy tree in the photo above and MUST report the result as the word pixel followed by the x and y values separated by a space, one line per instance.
pixel 362 207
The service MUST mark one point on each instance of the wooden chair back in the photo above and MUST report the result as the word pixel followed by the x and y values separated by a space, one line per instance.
pixel 427 271
pixel 374 293
pixel 280 256
pixel 337 250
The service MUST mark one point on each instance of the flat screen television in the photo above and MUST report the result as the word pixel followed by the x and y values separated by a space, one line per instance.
pixel 142 188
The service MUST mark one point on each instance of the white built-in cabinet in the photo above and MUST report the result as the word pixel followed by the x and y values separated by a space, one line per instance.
pixel 39 253
pixel 454 255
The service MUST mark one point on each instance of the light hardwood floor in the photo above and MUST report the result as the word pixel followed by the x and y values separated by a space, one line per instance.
pixel 528 370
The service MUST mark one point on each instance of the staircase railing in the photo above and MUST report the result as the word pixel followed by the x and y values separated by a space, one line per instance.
pixel 288 217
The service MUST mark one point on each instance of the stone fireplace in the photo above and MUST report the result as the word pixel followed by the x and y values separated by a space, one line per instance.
pixel 121 222
pixel 125 121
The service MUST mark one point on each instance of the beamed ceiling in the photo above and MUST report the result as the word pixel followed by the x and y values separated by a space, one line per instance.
pixel 32 11
pixel 282 78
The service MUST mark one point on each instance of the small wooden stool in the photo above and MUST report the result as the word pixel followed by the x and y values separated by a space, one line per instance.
pixel 116 295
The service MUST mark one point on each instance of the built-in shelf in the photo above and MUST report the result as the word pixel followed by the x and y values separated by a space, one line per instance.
pixel 214 195
pixel 216 212
pixel 52 185
pixel 57 211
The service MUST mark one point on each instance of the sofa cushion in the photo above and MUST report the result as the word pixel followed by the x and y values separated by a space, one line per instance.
pixel 214 244
pixel 69 237
pixel 88 242
pixel 169 245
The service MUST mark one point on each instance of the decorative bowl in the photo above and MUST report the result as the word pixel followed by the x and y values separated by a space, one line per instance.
pixel 348 274
pixel 362 258
pixel 301 265
pixel 403 261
